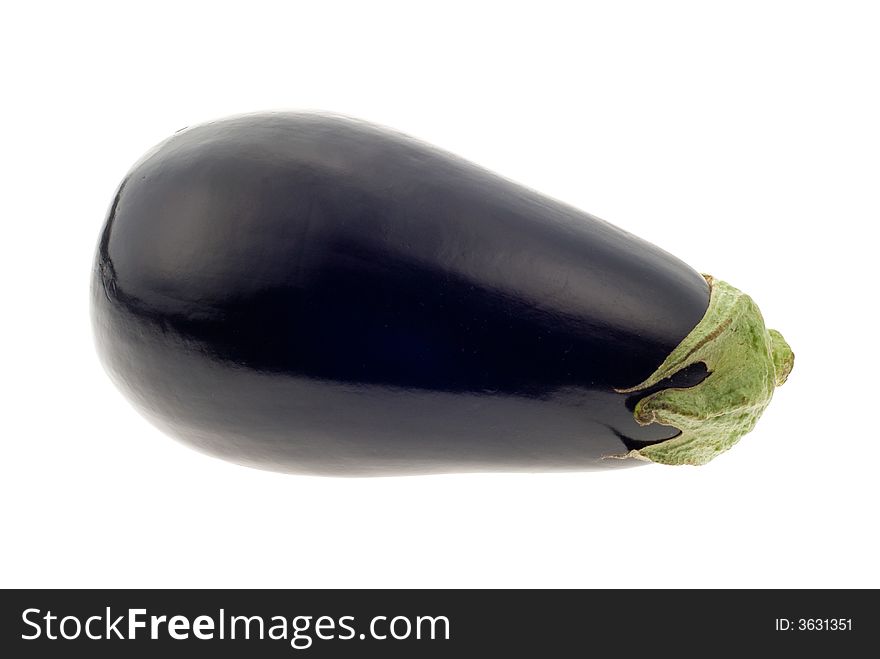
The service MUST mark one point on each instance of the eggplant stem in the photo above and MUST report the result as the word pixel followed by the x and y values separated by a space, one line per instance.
pixel 746 362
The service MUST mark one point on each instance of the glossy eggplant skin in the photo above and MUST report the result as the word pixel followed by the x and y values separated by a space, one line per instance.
pixel 310 293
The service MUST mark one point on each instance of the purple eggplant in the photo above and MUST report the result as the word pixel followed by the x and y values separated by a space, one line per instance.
pixel 310 293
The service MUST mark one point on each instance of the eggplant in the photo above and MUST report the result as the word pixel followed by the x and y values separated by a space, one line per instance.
pixel 310 293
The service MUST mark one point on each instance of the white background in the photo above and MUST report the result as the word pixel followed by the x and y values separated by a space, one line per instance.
pixel 743 137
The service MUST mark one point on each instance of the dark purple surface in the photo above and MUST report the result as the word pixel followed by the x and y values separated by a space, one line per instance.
pixel 311 293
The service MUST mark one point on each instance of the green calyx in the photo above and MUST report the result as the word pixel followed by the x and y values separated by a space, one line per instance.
pixel 746 362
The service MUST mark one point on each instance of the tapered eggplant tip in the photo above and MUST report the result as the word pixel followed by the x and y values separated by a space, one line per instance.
pixel 746 362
